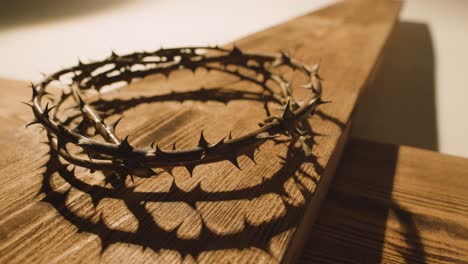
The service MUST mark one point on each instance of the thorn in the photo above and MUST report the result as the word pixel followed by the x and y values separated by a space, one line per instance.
pixel 159 151
pixel 80 63
pixel 236 51
pixel 35 121
pixel 285 58
pixel 124 146
pixel 113 54
pixel 152 144
pixel 320 101
pixel 202 142
pixel 82 126
pixel 81 102
pixel 114 125
pixel 315 68
pixel 174 146
pixel 230 135
pixel 28 104
pixel 47 109
pixel 287 114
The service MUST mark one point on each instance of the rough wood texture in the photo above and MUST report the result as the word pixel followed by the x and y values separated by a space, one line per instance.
pixel 393 204
pixel 259 214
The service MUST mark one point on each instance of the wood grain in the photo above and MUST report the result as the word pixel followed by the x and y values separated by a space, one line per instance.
pixel 393 204
pixel 260 214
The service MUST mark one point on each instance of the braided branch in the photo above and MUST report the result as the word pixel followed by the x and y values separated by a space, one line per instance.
pixel 119 156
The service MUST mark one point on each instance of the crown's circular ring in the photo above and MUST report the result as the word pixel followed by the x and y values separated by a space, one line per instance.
pixel 118 155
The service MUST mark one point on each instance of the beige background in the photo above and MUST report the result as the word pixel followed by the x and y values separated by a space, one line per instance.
pixel 418 96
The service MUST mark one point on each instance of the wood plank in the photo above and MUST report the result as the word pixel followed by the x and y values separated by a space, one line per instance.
pixel 261 213
pixel 393 204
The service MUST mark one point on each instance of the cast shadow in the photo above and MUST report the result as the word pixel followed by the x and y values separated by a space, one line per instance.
pixel 150 233
pixel 353 220
pixel 399 105
pixel 20 13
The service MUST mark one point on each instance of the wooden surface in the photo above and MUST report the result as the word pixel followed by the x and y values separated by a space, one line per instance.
pixel 260 214
pixel 393 204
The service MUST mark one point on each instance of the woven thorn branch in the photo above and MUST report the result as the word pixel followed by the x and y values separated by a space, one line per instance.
pixel 113 154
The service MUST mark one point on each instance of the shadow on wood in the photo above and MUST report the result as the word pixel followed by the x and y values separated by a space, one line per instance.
pixel 174 221
pixel 399 105
pixel 353 221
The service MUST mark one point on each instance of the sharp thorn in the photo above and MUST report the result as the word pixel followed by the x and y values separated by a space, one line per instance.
pixel 287 111
pixel 114 125
pixel 28 104
pixel 33 123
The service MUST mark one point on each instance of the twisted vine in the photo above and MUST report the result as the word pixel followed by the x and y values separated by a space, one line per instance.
pixel 114 154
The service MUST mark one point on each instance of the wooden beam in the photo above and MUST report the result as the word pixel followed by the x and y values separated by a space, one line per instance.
pixel 261 213
pixel 390 203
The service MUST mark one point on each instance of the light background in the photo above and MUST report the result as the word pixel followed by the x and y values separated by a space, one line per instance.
pixel 418 97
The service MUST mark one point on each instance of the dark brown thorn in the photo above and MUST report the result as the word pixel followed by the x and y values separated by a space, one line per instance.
pixel 285 58
pixel 47 109
pixel 81 102
pixel 124 146
pixel 174 146
pixel 113 55
pixel 28 104
pixel 158 150
pixel 287 113
pixel 35 92
pixel 230 135
pixel 114 125
pixel 320 102
pixel 152 144
pixel 35 121
pixel 235 51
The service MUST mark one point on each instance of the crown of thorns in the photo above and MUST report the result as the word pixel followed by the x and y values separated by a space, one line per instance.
pixel 111 153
